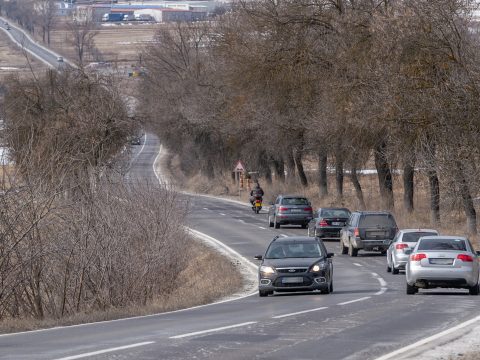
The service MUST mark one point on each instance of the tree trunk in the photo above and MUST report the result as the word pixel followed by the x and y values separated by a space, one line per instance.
pixel 358 188
pixel 279 168
pixel 290 167
pixel 385 180
pixel 408 186
pixel 339 176
pixel 434 197
pixel 322 174
pixel 468 206
pixel 301 172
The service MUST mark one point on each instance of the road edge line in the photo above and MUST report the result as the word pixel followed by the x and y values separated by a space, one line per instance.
pixel 427 340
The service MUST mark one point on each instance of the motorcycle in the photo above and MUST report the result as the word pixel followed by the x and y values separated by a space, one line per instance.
pixel 257 204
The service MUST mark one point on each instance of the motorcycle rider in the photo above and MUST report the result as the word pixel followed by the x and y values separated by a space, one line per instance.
pixel 257 191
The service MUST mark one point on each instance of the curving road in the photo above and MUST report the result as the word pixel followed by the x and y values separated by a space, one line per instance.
pixel 368 314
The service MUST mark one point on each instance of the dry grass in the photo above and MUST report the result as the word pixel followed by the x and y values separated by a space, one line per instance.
pixel 199 284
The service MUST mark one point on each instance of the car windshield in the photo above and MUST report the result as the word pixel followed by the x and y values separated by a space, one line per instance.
pixel 414 236
pixel 377 220
pixel 442 244
pixel 294 201
pixel 294 250
pixel 335 213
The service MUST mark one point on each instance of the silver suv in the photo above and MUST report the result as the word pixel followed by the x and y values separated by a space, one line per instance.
pixel 290 209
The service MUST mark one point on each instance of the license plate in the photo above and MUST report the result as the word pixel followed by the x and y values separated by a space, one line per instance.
pixel 258 204
pixel 335 223
pixel 296 210
pixel 441 261
pixel 292 280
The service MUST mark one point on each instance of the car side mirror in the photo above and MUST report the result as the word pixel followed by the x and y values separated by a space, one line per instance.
pixel 477 252
pixel 258 257
pixel 330 255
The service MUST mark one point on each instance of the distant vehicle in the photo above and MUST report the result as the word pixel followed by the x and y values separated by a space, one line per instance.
pixel 8 27
pixel 328 222
pixel 60 59
pixel 143 17
pixel 297 263
pixel 369 231
pixel 402 245
pixel 136 140
pixel 443 262
pixel 290 209
pixel 112 17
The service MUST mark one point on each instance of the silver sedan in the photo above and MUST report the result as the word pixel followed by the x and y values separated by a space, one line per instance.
pixel 402 245
pixel 443 262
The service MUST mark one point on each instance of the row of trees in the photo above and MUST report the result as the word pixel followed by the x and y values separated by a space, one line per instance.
pixel 341 81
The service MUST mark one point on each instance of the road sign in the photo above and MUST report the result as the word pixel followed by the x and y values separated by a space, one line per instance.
pixel 239 167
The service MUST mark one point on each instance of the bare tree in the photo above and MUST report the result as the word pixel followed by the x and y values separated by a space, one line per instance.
pixel 81 37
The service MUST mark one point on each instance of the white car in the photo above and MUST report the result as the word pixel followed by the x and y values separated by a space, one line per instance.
pixel 402 245
pixel 443 262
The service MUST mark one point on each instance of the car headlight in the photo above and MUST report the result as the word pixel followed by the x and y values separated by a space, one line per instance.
pixel 318 267
pixel 267 270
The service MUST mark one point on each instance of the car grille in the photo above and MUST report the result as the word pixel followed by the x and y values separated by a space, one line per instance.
pixel 279 283
pixel 292 270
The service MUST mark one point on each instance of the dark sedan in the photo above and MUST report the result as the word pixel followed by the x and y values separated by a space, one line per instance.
pixel 328 222
pixel 297 263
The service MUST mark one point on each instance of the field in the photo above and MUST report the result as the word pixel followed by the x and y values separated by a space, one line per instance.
pixel 120 43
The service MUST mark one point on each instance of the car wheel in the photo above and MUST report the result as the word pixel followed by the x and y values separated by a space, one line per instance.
pixel 275 224
pixel 352 251
pixel 383 252
pixel 395 271
pixel 263 293
pixel 309 233
pixel 473 290
pixel 389 269
pixel 344 249
pixel 411 289
pixel 270 223
pixel 304 226
pixel 331 286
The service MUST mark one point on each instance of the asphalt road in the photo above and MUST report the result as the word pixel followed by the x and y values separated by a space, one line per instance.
pixel 367 315
pixel 18 36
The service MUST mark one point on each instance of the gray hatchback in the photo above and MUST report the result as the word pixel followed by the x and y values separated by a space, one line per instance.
pixel 297 263
pixel 290 209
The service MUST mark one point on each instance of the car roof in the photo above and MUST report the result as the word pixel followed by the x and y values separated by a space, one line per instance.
pixel 418 230
pixel 446 237
pixel 290 239
pixel 293 196
pixel 373 212
pixel 333 208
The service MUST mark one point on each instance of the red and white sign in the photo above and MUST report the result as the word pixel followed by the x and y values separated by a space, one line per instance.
pixel 239 167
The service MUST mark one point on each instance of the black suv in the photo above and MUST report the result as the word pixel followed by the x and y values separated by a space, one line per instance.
pixel 369 231
pixel 296 263
pixel 290 209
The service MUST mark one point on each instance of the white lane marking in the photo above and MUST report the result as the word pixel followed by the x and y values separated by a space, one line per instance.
pixel 222 214
pixel 383 284
pixel 261 227
pixel 205 208
pixel 298 313
pixel 242 221
pixel 354 301
pixel 212 330
pixel 93 353
pixel 284 235
pixel 357 264
pixel 382 291
pixel 396 353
